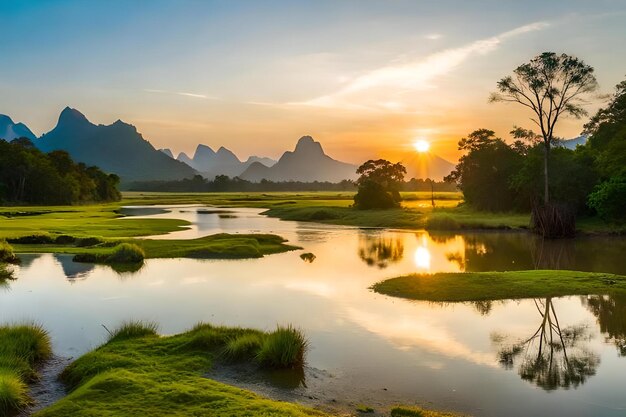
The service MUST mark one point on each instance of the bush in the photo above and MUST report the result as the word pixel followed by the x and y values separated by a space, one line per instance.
pixel 32 240
pixel 134 329
pixel 65 240
pixel 283 348
pixel 372 195
pixel 89 241
pixel 6 253
pixel 126 253
pixel 609 200
pixel 243 347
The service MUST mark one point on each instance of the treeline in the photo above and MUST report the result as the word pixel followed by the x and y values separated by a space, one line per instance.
pixel 591 179
pixel 30 176
pixel 223 183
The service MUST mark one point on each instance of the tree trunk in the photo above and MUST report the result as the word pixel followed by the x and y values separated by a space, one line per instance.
pixel 546 188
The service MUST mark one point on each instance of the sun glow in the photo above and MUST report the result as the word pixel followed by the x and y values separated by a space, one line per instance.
pixel 421 145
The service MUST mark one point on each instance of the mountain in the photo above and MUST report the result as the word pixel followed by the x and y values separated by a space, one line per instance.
pixel 426 165
pixel 167 152
pixel 223 162
pixel 307 162
pixel 572 143
pixel 10 130
pixel 116 148
pixel 268 162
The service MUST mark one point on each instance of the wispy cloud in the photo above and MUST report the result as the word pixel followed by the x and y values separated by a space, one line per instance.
pixel 416 74
pixel 178 93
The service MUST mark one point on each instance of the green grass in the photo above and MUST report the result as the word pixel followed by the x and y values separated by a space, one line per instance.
pixel 361 408
pixel 22 348
pixel 6 253
pixel 480 286
pixel 219 246
pixel 243 347
pixel 419 412
pixel 285 347
pixel 133 329
pixel 154 375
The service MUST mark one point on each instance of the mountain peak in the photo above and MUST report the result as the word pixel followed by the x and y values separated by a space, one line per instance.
pixel 307 144
pixel 5 120
pixel 71 116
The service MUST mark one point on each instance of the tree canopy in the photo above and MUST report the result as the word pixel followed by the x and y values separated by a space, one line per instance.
pixel 379 184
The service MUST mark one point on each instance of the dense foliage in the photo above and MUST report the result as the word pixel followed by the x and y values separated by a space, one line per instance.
pixel 30 176
pixel 379 184
pixel 498 176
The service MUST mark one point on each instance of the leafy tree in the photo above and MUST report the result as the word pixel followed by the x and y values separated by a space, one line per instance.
pixel 609 199
pixel 379 184
pixel 485 172
pixel 550 85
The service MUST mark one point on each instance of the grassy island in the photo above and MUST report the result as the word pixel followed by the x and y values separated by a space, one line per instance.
pixel 480 286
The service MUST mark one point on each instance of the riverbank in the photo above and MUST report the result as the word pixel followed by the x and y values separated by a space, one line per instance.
pixel 482 286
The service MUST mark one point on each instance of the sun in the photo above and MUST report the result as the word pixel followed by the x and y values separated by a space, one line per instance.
pixel 421 145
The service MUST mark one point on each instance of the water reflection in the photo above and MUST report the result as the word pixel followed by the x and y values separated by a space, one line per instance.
pixel 377 249
pixel 553 357
pixel 610 310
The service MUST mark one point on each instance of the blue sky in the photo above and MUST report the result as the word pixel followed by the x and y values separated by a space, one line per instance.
pixel 364 77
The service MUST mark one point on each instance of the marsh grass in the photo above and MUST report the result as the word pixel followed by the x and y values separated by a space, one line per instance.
pixel 22 348
pixel 6 253
pixel 285 347
pixel 403 411
pixel 134 329
pixel 162 375
pixel 243 347
pixel 126 253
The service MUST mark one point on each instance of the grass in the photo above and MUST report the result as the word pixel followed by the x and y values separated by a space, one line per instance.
pixel 285 347
pixel 22 348
pixel 219 246
pixel 6 253
pixel 480 286
pixel 147 374
pixel 419 412
pixel 133 329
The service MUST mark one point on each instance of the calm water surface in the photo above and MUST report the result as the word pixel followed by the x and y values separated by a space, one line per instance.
pixel 480 358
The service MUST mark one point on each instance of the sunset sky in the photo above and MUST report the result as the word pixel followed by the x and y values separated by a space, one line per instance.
pixel 366 78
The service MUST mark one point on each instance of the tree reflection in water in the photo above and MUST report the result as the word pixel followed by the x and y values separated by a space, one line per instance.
pixel 378 250
pixel 553 357
pixel 611 314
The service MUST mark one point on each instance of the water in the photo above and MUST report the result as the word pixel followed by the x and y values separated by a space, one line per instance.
pixel 365 348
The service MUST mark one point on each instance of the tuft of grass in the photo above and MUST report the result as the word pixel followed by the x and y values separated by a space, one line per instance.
pixel 6 253
pixel 441 222
pixel 243 347
pixel 361 408
pixel 134 329
pixel 285 347
pixel 86 242
pixel 38 239
pixel 126 253
pixel 13 393
pixel 22 348
pixel 403 411
pixel 481 286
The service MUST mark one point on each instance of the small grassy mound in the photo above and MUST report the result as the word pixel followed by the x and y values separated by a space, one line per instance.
pixel 480 286
pixel 153 375
pixel 6 253
pixel 22 348
pixel 419 412
pixel 244 347
pixel 126 253
pixel 133 329
pixel 285 347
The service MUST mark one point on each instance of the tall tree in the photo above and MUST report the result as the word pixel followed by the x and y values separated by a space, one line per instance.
pixel 550 85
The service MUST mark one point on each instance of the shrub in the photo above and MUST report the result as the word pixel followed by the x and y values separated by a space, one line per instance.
pixel 65 240
pixel 372 195
pixel 126 253
pixel 283 348
pixel 134 329
pixel 245 346
pixel 6 253
pixel 33 240
pixel 89 241
pixel 609 199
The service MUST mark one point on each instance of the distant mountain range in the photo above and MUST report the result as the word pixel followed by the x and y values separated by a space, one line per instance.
pixel 306 163
pixel 573 143
pixel 223 162
pixel 116 148
pixel 10 130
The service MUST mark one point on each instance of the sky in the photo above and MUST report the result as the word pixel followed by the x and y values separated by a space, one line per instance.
pixel 365 78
